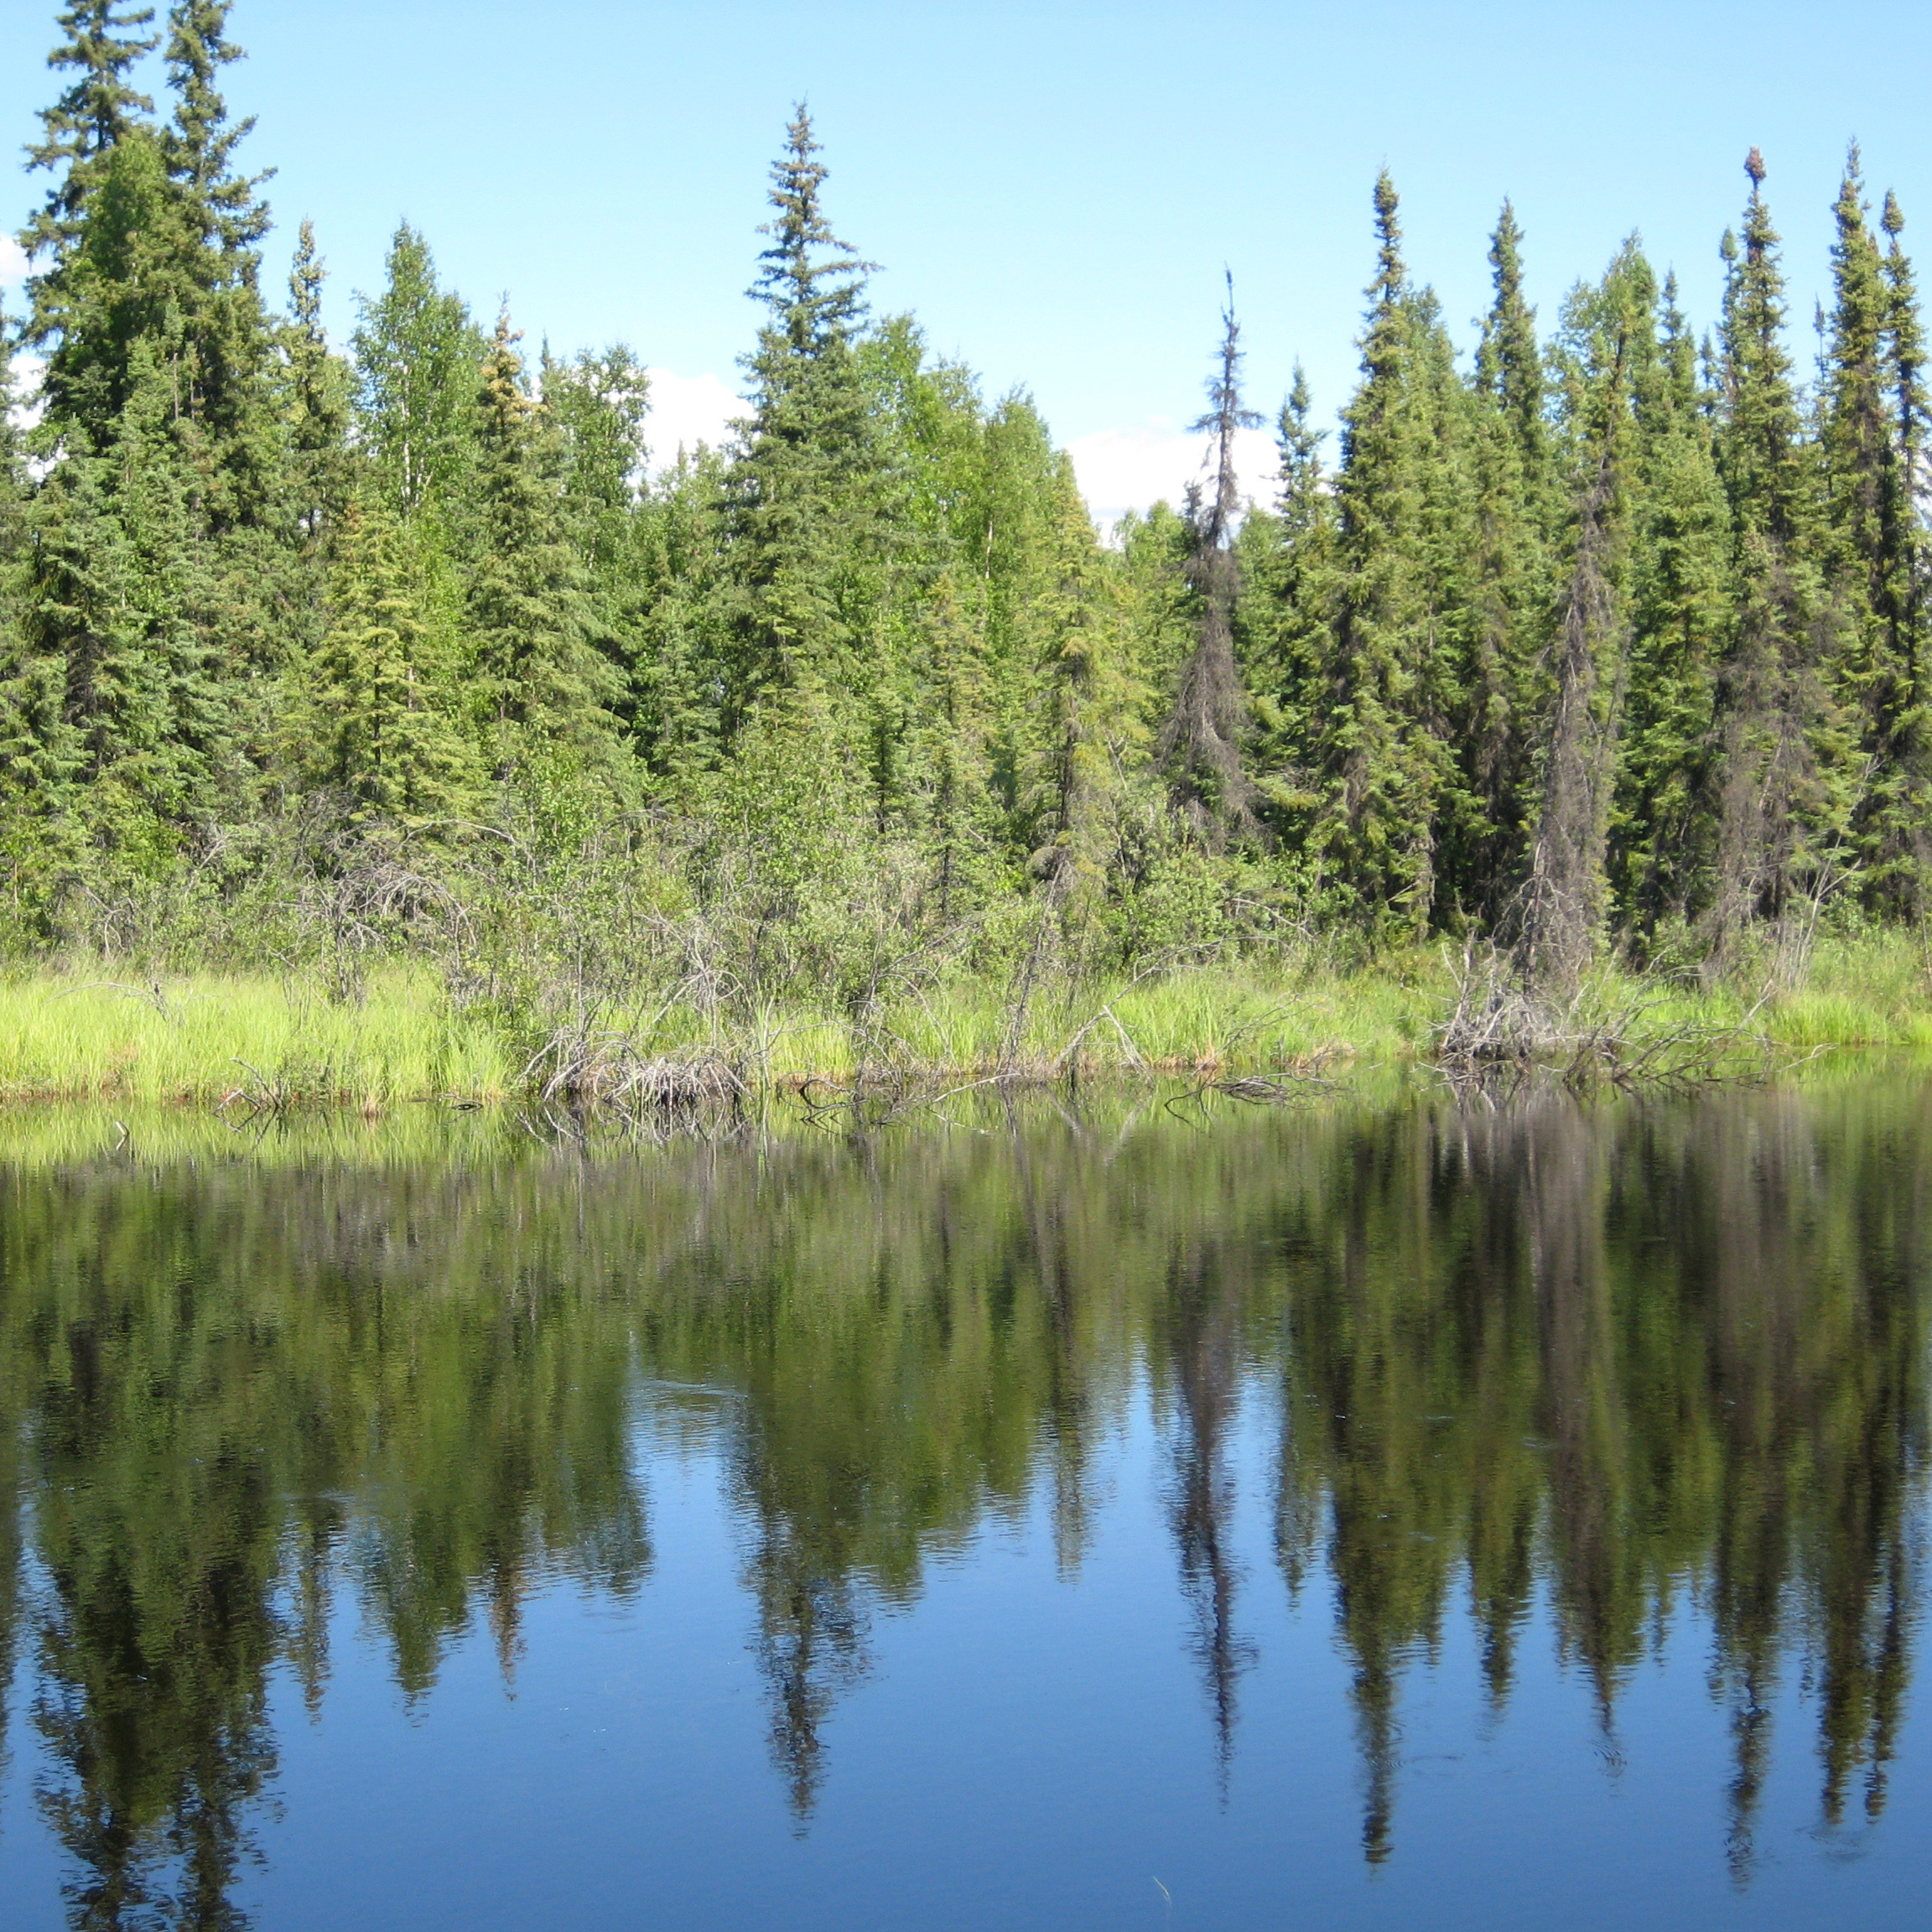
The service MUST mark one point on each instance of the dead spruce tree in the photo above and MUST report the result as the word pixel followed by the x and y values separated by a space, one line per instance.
pixel 1561 909
pixel 1200 742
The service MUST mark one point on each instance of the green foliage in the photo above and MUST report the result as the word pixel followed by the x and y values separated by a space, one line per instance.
pixel 1787 779
pixel 380 727
pixel 1377 754
pixel 536 675
pixel 1501 703
pixel 79 135
pixel 803 513
pixel 1661 835
pixel 268 616
pixel 417 355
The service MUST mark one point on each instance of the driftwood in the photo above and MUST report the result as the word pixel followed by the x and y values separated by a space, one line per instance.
pixel 606 1073
pixel 1503 1032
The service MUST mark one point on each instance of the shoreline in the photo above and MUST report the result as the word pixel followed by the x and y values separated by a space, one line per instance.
pixel 252 1041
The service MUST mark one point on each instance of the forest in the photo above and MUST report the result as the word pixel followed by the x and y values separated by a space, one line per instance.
pixel 1601 650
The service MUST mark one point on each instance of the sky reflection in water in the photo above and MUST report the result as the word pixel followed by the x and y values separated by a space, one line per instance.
pixel 1348 1517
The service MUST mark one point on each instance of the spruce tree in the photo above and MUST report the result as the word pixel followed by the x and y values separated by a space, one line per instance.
pixel 316 385
pixel 1303 504
pixel 1858 533
pixel 118 290
pixel 161 250
pixel 1856 427
pixel 1663 822
pixel 803 524
pixel 1090 726
pixel 138 742
pixel 537 680
pixel 1778 808
pixel 1898 842
pixel 1508 362
pixel 381 730
pixel 1376 760
pixel 1286 619
pixel 226 366
pixel 79 132
pixel 157 376
pixel 1465 831
pixel 1200 742
pixel 1494 730
pixel 200 142
pixel 120 697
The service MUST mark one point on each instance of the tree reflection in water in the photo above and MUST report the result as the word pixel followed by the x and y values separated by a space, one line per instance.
pixel 1617 1359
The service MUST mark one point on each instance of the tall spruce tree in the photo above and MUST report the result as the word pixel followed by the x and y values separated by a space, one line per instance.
pixel 156 394
pixel 1855 426
pixel 122 721
pixel 1509 360
pixel 104 42
pixel 1855 452
pixel 124 685
pixel 118 291
pixel 1662 825
pixel 1780 801
pixel 230 425
pixel 1376 753
pixel 1090 712
pixel 200 140
pixel 1897 818
pixel 538 681
pixel 803 519
pixel 1495 728
pixel 1200 742
pixel 160 248
pixel 1446 618
pixel 317 387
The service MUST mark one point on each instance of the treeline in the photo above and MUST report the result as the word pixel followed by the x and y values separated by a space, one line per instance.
pixel 1613 638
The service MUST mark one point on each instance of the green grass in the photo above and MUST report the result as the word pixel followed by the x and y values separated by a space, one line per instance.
pixel 197 1039
pixel 202 1039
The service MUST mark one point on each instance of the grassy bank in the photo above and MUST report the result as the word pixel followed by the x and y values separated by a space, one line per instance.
pixel 91 1034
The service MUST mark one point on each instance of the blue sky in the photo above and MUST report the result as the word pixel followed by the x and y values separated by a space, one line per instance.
pixel 1053 188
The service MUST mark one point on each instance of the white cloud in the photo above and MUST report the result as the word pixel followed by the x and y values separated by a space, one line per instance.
pixel 686 411
pixel 1123 469
pixel 26 372
pixel 12 263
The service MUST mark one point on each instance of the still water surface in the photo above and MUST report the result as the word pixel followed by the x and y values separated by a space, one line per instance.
pixel 1098 1516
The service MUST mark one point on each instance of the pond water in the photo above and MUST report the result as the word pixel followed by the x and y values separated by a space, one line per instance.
pixel 1105 1513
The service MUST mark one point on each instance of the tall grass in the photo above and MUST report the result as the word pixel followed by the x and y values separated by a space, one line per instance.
pixel 253 1040
pixel 201 1038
